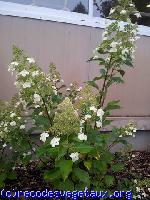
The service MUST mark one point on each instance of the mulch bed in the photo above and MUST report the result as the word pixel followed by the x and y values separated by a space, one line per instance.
pixel 30 178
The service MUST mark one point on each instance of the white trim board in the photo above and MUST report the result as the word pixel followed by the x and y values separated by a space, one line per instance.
pixel 34 12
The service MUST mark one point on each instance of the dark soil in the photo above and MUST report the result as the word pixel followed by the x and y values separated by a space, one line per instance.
pixel 30 178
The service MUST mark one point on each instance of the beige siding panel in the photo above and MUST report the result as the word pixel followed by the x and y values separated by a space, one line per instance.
pixel 69 47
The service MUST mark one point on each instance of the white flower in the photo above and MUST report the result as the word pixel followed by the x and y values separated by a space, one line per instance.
pixel 138 189
pixel 55 141
pixel 26 85
pixel 4 145
pixel 55 92
pixel 123 12
pixel 124 51
pixel 131 4
pixel 96 57
pixel 87 117
pixel 98 124
pixel 82 121
pixel 105 38
pixel 148 6
pixel 93 108
pixel 79 89
pixel 36 106
pixel 37 98
pixel 41 113
pixel 82 136
pixel 22 126
pixel 138 15
pixel 15 63
pixel 12 115
pixel 43 136
pixel 133 156
pixel 24 73
pixel 31 60
pixel 112 10
pixel 5 129
pixel 29 153
pixel 113 46
pixel 12 66
pixel 104 34
pixel 134 130
pixel 13 123
pixel 74 156
pixel 100 113
pixel 135 181
pixel 24 154
pixel 35 73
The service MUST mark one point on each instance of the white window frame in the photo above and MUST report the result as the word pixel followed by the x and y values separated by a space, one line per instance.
pixel 35 12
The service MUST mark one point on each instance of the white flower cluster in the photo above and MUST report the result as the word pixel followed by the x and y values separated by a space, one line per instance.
pixel 99 113
pixel 24 73
pixel 54 89
pixel 43 136
pixel 113 46
pixel 26 85
pixel 31 60
pixel 55 141
pixel 129 130
pixel 81 135
pixel 37 98
pixel 74 156
pixel 35 73
pixel 12 66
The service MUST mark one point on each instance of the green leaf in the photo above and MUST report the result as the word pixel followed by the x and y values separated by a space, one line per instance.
pixel 52 151
pixel 82 175
pixel 65 167
pixel 93 84
pixel 122 72
pixel 103 72
pixel 42 121
pixel 66 185
pixel 62 151
pixel 97 78
pixel 107 156
pixel 52 174
pixel 88 164
pixel 109 180
pixel 117 80
pixel 83 148
pixel 118 167
pixel 113 105
pixel 125 142
pixel 101 166
pixel 12 175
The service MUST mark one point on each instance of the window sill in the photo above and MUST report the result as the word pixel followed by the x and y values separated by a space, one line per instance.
pixel 34 12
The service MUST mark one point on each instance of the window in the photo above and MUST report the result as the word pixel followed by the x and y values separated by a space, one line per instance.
pixel 80 6
pixel 82 12
pixel 102 9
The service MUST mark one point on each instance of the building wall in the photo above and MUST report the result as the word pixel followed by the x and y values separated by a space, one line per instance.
pixel 69 47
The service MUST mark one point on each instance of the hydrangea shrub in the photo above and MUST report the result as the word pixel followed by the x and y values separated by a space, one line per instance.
pixel 74 152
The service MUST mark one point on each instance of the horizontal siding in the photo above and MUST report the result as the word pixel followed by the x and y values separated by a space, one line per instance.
pixel 69 47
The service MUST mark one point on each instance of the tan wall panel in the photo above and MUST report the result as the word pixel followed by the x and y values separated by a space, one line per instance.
pixel 69 46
